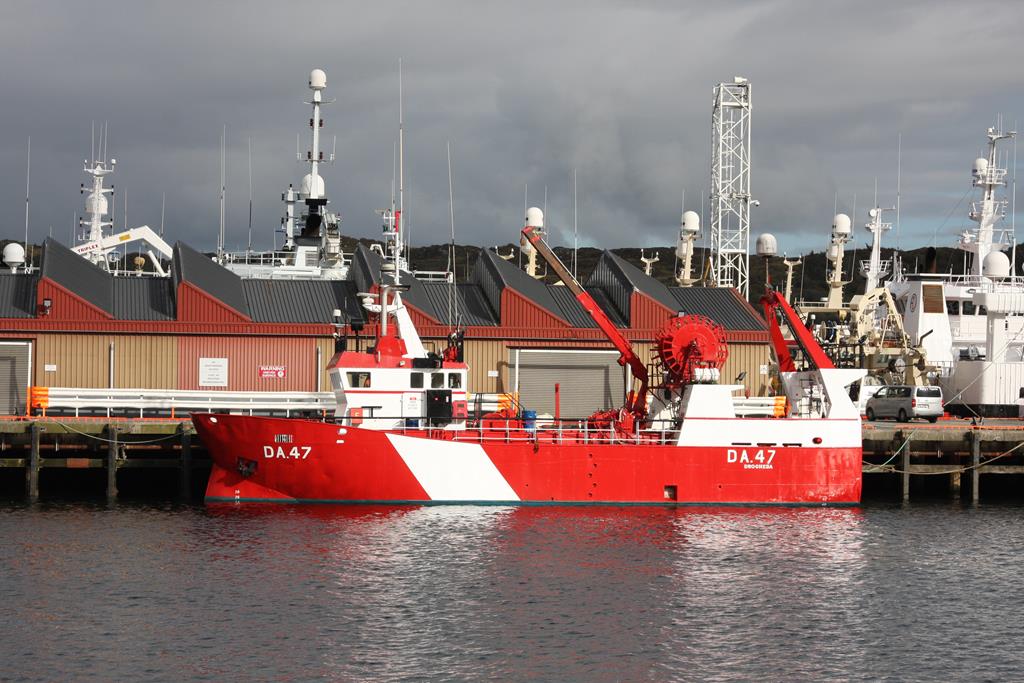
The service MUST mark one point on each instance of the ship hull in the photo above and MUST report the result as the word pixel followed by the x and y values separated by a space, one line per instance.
pixel 289 460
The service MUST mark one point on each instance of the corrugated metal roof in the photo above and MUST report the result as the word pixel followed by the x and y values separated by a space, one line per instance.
pixel 502 273
pixel 302 301
pixel 364 269
pixel 77 275
pixel 721 304
pixel 469 302
pixel 573 311
pixel 143 298
pixel 609 278
pixel 201 271
pixel 18 295
pixel 640 280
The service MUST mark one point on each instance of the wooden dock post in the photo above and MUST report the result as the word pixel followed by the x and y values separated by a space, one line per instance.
pixel 186 462
pixel 975 461
pixel 905 475
pixel 32 470
pixel 112 447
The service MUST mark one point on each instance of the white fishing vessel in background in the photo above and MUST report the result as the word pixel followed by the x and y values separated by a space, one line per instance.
pixel 312 237
pixel 971 325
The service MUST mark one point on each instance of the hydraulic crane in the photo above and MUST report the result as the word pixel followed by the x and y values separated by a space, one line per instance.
pixel 635 410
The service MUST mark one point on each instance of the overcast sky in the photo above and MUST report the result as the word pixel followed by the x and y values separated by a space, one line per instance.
pixel 525 92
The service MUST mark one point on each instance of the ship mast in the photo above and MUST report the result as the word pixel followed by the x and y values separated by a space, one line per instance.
pixel 988 176
pixel 874 269
pixel 96 201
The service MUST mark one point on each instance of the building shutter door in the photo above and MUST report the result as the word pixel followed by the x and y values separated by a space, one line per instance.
pixel 14 371
pixel 588 380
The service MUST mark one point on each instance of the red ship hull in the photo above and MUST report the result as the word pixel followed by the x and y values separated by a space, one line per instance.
pixel 288 460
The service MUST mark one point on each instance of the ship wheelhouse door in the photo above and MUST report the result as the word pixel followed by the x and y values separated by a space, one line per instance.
pixel 439 406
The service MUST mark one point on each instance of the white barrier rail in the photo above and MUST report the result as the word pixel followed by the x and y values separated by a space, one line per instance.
pixel 82 402
pixel 173 403
pixel 161 403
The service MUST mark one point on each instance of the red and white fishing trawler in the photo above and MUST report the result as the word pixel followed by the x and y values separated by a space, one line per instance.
pixel 402 434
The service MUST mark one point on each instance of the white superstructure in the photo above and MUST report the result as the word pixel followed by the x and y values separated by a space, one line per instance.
pixel 98 244
pixel 972 325
pixel 312 235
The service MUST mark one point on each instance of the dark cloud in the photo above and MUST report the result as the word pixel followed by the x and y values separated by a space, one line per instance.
pixel 525 92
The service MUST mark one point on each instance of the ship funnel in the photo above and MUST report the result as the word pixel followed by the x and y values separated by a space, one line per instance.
pixel 931 260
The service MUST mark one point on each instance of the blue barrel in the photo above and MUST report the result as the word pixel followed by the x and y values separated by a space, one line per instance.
pixel 530 420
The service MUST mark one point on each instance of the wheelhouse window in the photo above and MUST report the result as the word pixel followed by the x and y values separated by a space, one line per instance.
pixel 437 380
pixel 454 380
pixel 416 380
pixel 953 307
pixel 968 308
pixel 358 380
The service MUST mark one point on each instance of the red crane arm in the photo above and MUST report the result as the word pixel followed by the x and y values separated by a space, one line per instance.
pixel 636 404
pixel 775 303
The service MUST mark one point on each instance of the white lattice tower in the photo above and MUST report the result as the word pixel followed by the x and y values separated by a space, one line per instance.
pixel 730 185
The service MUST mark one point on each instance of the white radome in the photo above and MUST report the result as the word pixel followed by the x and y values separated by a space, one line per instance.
pixel 534 217
pixel 317 79
pixel 691 222
pixel 14 255
pixel 310 189
pixel 841 225
pixel 96 203
pixel 766 245
pixel 996 265
pixel 980 166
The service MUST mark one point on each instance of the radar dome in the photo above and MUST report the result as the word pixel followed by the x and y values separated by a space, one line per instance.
pixel 317 79
pixel 534 217
pixel 14 255
pixel 841 225
pixel 980 167
pixel 96 204
pixel 996 265
pixel 310 189
pixel 767 245
pixel 691 222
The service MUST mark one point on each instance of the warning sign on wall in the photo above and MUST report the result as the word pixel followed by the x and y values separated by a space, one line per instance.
pixel 273 371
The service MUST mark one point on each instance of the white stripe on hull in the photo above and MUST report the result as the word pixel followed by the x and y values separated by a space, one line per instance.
pixel 449 470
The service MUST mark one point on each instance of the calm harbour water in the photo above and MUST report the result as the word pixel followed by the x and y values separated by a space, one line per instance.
pixel 133 592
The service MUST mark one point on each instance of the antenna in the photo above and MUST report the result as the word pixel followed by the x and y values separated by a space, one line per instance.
pixel 899 174
pixel 575 232
pixel 28 179
pixel 401 160
pixel 452 301
pixel 1013 206
pixel 124 216
pixel 223 190
pixel 249 248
